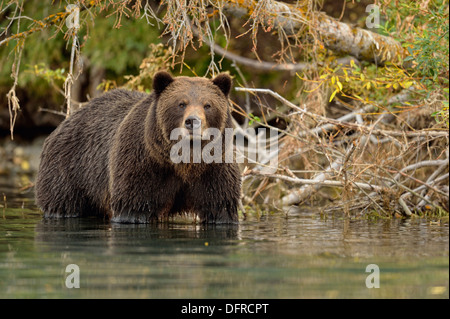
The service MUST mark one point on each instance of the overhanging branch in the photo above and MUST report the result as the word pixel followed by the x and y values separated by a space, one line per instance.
pixel 335 35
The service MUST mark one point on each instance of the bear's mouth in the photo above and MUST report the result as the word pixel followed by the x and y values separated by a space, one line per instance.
pixel 193 133
pixel 205 136
pixel 193 136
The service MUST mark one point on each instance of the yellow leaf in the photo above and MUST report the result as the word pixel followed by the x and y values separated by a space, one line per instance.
pixel 339 84
pixel 395 86
pixel 25 165
pixel 332 95
pixel 406 85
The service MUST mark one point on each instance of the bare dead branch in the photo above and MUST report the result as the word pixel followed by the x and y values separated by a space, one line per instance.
pixel 298 195
pixel 337 123
pixel 301 181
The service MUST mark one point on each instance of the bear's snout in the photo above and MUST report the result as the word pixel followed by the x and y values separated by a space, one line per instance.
pixel 193 123
pixel 194 119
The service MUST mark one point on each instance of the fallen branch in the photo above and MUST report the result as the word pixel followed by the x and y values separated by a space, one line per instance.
pixel 301 181
pixel 405 207
pixel 424 185
pixel 430 180
pixel 298 195
pixel 421 164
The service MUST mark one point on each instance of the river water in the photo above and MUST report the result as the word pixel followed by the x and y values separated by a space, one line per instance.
pixel 273 255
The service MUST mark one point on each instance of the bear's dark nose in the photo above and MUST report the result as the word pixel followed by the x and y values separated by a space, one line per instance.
pixel 192 123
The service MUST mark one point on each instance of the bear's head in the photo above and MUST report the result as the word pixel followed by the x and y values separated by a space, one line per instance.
pixel 190 103
pixel 187 107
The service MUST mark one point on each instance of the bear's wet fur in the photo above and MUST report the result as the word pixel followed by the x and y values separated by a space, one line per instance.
pixel 112 157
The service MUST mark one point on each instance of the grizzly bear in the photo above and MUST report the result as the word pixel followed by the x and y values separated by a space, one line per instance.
pixel 112 157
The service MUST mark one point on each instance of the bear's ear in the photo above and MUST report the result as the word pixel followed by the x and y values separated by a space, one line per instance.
pixel 223 81
pixel 161 80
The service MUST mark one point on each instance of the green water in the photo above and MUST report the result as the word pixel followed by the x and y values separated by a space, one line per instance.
pixel 297 255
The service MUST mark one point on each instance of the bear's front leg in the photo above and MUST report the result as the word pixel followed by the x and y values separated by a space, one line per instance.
pixel 142 209
pixel 145 200
pixel 218 195
pixel 144 194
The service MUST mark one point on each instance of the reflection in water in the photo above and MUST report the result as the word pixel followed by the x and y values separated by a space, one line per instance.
pixel 274 256
pixel 79 233
pixel 305 235
pixel 309 235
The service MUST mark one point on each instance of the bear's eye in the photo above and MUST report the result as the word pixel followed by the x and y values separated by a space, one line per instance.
pixel 182 105
pixel 207 106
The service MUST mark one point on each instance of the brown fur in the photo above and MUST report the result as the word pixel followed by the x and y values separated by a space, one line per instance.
pixel 113 157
